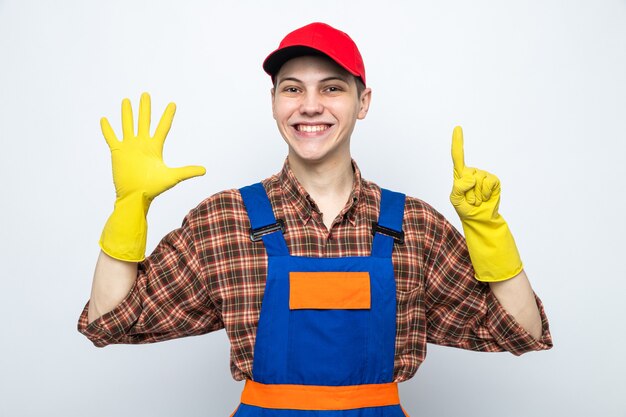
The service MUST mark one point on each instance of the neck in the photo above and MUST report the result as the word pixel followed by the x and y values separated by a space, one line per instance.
pixel 325 179
pixel 328 184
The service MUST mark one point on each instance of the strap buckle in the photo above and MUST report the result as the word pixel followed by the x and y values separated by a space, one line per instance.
pixel 398 237
pixel 258 233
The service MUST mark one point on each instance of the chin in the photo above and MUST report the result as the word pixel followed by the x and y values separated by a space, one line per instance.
pixel 310 158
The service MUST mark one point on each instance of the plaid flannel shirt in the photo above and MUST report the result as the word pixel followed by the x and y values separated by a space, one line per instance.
pixel 208 275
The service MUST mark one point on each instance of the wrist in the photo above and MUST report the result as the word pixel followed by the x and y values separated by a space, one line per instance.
pixel 492 250
pixel 125 233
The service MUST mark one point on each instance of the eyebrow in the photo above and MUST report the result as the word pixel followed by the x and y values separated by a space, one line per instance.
pixel 331 78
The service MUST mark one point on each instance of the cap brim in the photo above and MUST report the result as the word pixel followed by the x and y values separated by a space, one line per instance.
pixel 277 59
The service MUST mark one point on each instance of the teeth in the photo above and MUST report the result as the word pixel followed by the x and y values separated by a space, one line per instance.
pixel 312 129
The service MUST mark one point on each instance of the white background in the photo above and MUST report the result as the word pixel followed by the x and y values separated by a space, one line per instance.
pixel 539 87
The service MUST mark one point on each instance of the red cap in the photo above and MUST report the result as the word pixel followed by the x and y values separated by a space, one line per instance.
pixel 313 39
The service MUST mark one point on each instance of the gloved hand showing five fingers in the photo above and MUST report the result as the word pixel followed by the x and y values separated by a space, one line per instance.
pixel 476 197
pixel 139 175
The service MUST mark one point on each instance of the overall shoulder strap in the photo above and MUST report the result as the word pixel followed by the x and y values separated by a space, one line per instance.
pixel 389 226
pixel 264 225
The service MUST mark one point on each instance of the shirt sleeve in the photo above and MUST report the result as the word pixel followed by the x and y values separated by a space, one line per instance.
pixel 168 300
pixel 463 312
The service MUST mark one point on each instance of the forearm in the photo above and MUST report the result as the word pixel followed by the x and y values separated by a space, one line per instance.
pixel 112 282
pixel 518 299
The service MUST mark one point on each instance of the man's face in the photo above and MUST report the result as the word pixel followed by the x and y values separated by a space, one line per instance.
pixel 316 105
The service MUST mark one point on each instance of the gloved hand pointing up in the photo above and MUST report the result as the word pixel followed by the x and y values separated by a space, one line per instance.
pixel 476 198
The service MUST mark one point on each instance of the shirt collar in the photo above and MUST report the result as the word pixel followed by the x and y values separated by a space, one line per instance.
pixel 295 194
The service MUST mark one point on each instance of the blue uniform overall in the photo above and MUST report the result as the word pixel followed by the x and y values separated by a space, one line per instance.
pixel 326 335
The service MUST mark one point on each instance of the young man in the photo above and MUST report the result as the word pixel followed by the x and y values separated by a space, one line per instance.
pixel 329 288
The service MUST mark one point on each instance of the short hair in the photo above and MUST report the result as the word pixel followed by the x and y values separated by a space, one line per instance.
pixel 360 87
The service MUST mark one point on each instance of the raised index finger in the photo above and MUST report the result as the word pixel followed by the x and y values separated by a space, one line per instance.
pixel 458 155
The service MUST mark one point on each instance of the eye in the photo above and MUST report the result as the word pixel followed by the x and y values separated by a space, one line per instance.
pixel 291 89
pixel 333 89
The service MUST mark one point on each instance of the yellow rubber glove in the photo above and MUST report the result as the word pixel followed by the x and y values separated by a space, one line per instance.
pixel 476 197
pixel 139 175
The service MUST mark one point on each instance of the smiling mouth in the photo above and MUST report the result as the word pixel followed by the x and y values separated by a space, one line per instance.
pixel 311 128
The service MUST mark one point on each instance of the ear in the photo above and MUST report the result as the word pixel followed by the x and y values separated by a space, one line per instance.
pixel 273 94
pixel 364 103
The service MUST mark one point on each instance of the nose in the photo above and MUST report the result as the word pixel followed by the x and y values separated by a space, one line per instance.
pixel 311 104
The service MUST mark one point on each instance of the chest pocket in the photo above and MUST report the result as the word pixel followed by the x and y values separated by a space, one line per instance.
pixel 329 290
pixel 329 325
